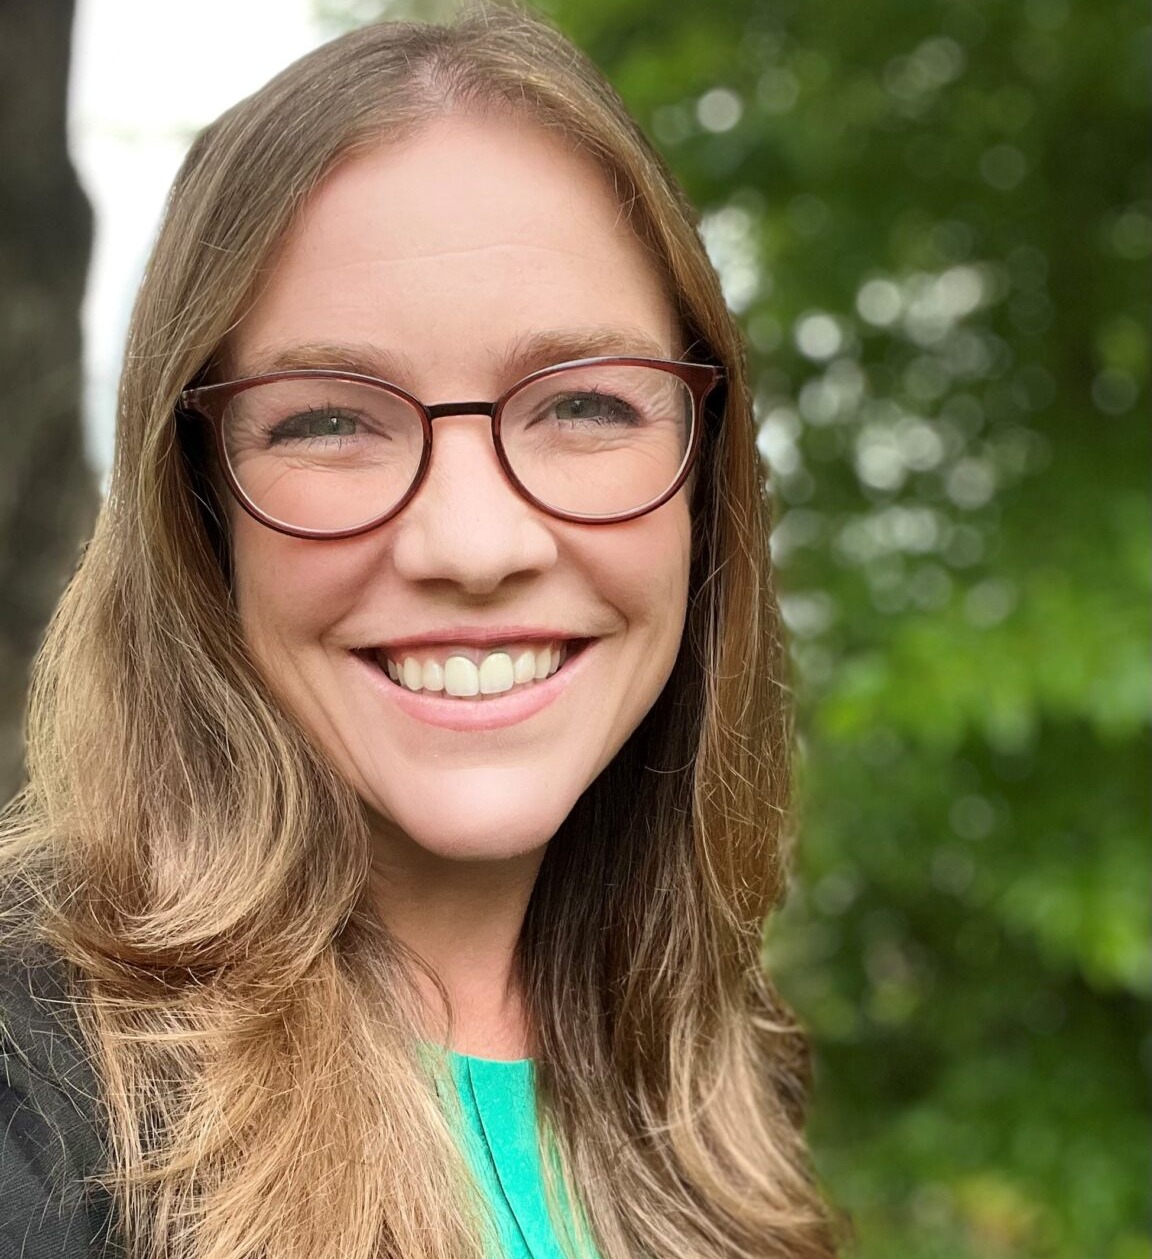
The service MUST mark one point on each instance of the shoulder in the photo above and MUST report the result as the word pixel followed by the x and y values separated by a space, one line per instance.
pixel 39 1033
pixel 50 1142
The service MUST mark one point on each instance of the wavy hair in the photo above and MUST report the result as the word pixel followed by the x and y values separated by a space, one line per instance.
pixel 203 869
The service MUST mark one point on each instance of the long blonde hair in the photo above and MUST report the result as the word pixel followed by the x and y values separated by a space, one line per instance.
pixel 202 869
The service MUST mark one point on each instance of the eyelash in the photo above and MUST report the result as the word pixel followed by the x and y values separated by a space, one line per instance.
pixel 280 432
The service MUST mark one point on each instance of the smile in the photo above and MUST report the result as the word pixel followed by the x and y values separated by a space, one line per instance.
pixel 475 673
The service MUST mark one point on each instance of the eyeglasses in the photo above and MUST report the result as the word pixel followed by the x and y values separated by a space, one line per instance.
pixel 330 454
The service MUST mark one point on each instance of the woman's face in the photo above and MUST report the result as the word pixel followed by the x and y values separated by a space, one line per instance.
pixel 462 260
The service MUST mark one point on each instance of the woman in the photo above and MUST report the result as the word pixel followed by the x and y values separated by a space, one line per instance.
pixel 414 719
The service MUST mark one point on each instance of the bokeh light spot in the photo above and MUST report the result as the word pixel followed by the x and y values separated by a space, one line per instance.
pixel 777 90
pixel 818 336
pixel 1003 167
pixel 970 484
pixel 719 110
pixel 1114 391
pixel 972 817
pixel 879 302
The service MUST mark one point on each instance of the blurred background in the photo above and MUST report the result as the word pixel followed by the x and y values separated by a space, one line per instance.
pixel 934 219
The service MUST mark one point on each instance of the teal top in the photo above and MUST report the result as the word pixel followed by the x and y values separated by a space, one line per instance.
pixel 498 1100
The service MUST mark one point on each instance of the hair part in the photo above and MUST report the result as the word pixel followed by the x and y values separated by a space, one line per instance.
pixel 203 868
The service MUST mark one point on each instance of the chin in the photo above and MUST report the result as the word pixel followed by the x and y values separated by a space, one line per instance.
pixel 475 827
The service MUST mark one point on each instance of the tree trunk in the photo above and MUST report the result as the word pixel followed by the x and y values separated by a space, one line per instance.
pixel 47 495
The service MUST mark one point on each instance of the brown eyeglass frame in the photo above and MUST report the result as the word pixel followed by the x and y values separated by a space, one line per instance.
pixel 209 401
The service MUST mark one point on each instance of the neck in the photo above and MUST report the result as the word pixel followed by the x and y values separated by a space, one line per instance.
pixel 463 918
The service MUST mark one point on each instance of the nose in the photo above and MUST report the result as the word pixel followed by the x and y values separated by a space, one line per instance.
pixel 467 525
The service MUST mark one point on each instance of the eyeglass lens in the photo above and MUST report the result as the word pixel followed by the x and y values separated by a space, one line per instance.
pixel 327 454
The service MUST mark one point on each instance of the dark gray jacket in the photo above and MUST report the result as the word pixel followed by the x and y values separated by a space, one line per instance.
pixel 50 1137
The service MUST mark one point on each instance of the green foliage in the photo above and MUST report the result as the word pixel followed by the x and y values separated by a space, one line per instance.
pixel 935 219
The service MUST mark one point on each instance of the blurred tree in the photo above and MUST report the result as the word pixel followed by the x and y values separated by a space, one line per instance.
pixel 47 497
pixel 935 220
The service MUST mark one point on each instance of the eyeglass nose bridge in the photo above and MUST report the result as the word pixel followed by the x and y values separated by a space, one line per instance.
pixel 443 409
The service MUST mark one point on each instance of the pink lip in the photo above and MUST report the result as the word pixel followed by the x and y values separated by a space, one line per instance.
pixel 493 713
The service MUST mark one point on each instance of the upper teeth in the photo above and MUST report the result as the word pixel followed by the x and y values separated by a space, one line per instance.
pixel 479 672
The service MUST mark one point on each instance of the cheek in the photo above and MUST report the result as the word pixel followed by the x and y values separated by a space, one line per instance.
pixel 669 553
pixel 289 591
pixel 647 566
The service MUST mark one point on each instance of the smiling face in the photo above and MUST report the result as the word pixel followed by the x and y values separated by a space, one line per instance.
pixel 452 266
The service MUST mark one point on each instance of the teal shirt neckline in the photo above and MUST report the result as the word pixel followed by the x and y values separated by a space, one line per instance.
pixel 496 1062
pixel 498 1105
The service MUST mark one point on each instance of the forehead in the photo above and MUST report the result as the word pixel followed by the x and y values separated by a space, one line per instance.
pixel 471 236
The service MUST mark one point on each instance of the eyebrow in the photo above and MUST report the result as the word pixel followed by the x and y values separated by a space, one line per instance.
pixel 544 349
pixel 364 360
pixel 525 355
